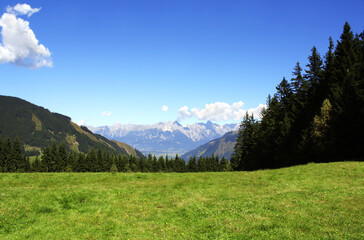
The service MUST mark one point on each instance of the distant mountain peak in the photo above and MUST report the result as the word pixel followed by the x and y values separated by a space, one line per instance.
pixel 164 137
pixel 177 123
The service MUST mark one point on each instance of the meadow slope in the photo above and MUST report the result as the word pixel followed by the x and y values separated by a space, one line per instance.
pixel 314 201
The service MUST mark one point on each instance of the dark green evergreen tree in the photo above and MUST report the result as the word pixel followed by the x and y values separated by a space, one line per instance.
pixel 224 165
pixel 161 164
pixel 91 161
pixel 15 158
pixel 55 162
pixel 192 165
pixel 62 158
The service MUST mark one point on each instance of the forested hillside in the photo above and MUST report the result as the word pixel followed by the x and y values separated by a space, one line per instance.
pixel 317 116
pixel 37 128
pixel 221 147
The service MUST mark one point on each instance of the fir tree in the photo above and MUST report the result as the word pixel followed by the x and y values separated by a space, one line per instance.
pixel 16 158
pixel 223 164
pixel 62 158
pixel 192 165
pixel 47 159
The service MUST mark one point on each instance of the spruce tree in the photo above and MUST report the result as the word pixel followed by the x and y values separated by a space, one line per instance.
pixel 91 161
pixel 62 158
pixel 16 158
pixel 55 165
pixel 2 156
pixel 223 164
pixel 162 163
pixel 47 159
pixel 299 84
pixel 192 164
pixel 348 125
pixel 314 72
pixel 81 163
pixel 100 163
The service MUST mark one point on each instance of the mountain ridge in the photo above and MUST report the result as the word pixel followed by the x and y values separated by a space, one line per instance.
pixel 168 137
pixel 221 147
pixel 38 127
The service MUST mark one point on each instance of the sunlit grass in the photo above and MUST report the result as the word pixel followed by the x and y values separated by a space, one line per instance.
pixel 315 201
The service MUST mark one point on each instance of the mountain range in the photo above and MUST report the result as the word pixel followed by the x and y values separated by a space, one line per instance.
pixel 37 128
pixel 165 137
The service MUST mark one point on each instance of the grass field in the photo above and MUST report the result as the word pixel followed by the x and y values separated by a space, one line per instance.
pixel 314 201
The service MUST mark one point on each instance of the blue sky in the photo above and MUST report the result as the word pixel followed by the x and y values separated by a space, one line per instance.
pixel 128 59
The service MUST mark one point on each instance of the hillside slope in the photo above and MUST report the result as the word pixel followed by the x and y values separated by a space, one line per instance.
pixel 37 128
pixel 222 147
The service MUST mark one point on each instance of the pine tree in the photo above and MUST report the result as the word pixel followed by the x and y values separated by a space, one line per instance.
pixel 155 166
pixel 62 158
pixel 91 161
pixel 201 164
pixel 81 163
pixel 223 164
pixel 55 163
pixel 192 165
pixel 347 102
pixel 5 154
pixel 47 159
pixel 100 163
pixel 314 72
pixel 299 85
pixel 16 157
pixel 161 164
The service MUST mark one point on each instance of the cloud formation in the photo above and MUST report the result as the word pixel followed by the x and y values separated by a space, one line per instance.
pixel 164 108
pixel 183 113
pixel 19 45
pixel 219 111
pixel 106 114
pixel 22 9
pixel 81 123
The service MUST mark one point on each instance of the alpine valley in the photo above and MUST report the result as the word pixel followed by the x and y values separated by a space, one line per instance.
pixel 165 137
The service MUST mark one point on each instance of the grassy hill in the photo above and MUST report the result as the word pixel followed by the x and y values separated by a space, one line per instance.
pixel 37 128
pixel 222 147
pixel 314 201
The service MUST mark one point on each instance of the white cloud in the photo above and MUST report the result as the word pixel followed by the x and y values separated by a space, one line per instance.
pixel 183 113
pixel 22 9
pixel 257 111
pixel 164 108
pixel 81 123
pixel 19 45
pixel 106 114
pixel 219 111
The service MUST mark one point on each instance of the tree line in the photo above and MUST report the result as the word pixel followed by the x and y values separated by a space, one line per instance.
pixel 317 116
pixel 56 158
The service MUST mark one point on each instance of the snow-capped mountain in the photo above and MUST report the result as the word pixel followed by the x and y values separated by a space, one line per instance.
pixel 165 137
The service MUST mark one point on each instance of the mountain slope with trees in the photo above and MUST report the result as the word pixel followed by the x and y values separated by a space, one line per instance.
pixel 37 128
pixel 221 147
pixel 315 117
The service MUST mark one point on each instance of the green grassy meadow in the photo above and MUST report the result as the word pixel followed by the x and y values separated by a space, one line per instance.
pixel 314 201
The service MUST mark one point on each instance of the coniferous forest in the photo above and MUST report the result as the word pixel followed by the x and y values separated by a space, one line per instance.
pixel 317 116
pixel 57 158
